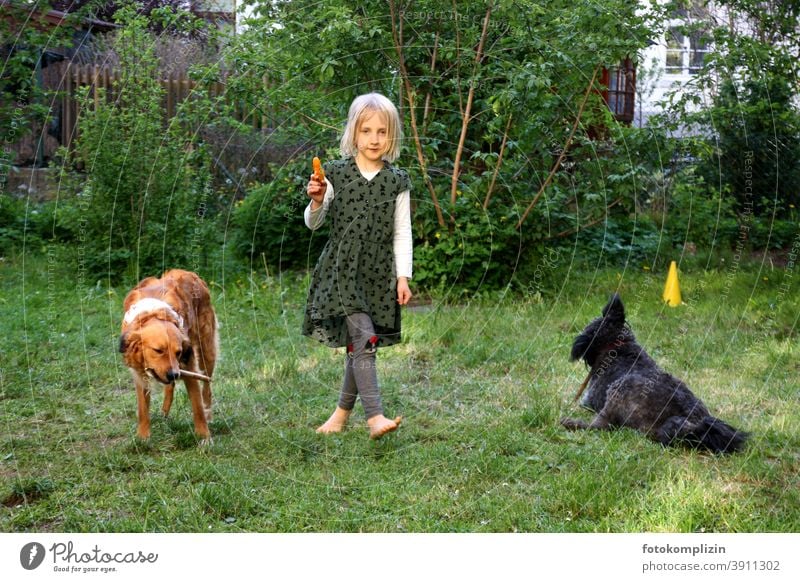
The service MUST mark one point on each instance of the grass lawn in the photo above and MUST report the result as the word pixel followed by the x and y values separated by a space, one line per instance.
pixel 481 385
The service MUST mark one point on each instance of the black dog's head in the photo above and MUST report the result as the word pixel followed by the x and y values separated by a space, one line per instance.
pixel 602 334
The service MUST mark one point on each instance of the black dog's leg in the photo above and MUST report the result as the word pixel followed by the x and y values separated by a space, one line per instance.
pixel 599 422
pixel 671 430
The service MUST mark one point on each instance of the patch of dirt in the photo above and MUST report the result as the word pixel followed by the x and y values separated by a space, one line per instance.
pixel 776 258
pixel 23 498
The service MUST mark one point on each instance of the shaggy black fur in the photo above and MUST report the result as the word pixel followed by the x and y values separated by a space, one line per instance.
pixel 627 388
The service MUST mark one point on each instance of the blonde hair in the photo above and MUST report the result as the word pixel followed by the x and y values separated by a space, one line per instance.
pixel 363 106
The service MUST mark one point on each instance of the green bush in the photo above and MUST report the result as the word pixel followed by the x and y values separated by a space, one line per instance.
pixel 778 234
pixel 479 252
pixel 700 214
pixel 13 223
pixel 269 222
pixel 705 216
pixel 619 241
pixel 147 199
pixel 32 223
pixel 756 154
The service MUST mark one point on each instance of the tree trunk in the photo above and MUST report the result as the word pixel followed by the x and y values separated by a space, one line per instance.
pixel 398 45
pixel 467 110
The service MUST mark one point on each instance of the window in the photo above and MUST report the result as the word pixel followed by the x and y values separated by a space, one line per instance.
pixel 675 48
pixel 698 48
pixel 620 92
pixel 687 40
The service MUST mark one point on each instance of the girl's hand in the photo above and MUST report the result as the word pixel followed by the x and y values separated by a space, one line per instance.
pixel 403 292
pixel 316 191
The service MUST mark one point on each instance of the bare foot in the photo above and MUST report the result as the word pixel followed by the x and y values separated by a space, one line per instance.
pixel 336 422
pixel 380 425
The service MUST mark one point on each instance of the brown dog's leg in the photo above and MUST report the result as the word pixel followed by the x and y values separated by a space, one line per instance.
pixel 142 409
pixel 169 392
pixel 198 411
pixel 207 401
pixel 207 358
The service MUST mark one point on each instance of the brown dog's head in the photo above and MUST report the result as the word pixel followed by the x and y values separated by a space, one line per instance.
pixel 157 348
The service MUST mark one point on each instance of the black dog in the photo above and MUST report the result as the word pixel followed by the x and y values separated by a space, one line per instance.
pixel 627 388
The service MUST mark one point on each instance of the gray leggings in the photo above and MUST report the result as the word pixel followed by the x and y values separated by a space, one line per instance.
pixel 360 375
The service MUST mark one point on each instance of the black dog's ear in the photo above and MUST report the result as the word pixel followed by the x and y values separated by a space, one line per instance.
pixel 614 310
pixel 580 347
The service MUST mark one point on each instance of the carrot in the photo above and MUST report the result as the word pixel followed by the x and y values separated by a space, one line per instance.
pixel 319 173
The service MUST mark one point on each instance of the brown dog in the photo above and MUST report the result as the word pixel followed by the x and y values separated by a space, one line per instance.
pixel 169 325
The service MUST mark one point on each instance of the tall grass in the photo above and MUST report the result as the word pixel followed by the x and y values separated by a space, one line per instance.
pixel 481 384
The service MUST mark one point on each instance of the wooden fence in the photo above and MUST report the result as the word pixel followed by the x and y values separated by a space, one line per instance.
pixel 177 87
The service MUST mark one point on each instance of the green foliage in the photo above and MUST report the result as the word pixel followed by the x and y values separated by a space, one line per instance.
pixel 604 209
pixel 704 216
pixel 22 100
pixel 700 214
pixel 148 194
pixel 753 150
pixel 481 252
pixel 773 235
pixel 525 86
pixel 757 153
pixel 269 222
pixel 13 223
pixel 32 225
pixel 621 241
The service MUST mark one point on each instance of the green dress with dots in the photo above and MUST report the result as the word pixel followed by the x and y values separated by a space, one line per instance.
pixel 355 272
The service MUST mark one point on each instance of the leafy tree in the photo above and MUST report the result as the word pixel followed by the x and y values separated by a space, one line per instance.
pixel 105 10
pixel 752 150
pixel 498 97
pixel 24 38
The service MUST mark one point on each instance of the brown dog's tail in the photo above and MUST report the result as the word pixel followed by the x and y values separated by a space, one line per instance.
pixel 711 434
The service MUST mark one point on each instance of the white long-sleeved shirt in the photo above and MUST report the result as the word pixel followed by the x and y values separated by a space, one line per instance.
pixel 402 242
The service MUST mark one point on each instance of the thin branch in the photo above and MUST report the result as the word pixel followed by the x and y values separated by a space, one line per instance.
pixel 318 122
pixel 470 97
pixel 458 58
pixel 397 40
pixel 427 107
pixel 563 153
pixel 591 223
pixel 499 161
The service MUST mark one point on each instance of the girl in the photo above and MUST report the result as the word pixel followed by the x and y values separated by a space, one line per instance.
pixel 361 278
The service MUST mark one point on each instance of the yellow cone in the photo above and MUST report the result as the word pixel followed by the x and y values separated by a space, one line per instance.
pixel 672 290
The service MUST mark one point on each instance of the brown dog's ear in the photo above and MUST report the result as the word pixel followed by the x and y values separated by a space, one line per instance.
pixel 186 351
pixel 123 343
pixel 129 346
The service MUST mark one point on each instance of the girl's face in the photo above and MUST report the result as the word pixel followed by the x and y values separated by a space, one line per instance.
pixel 372 137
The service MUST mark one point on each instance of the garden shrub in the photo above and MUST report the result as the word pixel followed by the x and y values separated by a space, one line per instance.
pixel 699 214
pixel 772 235
pixel 32 223
pixel 147 196
pixel 479 251
pixel 756 154
pixel 269 221
pixel 13 223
